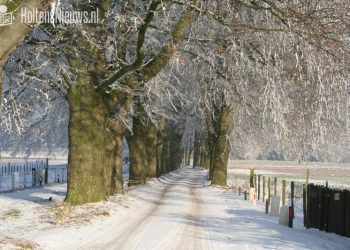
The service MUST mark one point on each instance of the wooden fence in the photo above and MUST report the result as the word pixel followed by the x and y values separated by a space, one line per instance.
pixel 317 206
pixel 328 209
pixel 15 176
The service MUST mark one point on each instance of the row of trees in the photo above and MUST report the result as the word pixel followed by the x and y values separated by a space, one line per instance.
pixel 150 71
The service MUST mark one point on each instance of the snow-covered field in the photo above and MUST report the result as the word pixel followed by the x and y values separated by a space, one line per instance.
pixel 177 211
pixel 337 174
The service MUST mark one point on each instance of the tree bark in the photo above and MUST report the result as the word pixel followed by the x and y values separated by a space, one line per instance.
pixel 189 153
pixel 137 152
pixel 114 161
pixel 88 175
pixel 160 146
pixel 197 149
pixel 175 151
pixel 172 148
pixel 219 130
pixel 143 149
pixel 151 150
pixel 204 157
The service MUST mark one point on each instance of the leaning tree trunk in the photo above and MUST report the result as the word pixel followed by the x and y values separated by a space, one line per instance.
pixel 219 144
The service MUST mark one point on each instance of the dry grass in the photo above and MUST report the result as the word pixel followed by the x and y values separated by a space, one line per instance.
pixel 65 214
pixel 13 243
pixel 10 214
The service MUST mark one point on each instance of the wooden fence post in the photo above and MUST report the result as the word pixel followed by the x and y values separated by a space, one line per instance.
pixel 269 188
pixel 251 178
pixel 292 189
pixel 255 182
pixel 291 210
pixel 284 192
pixel 264 188
pixel 259 186
pixel 47 171
pixel 275 186
pixel 305 188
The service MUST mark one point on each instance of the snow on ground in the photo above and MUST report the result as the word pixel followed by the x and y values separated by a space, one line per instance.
pixel 177 211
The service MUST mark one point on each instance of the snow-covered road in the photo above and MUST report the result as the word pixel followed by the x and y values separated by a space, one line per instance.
pixel 188 214
pixel 179 211
pixel 173 222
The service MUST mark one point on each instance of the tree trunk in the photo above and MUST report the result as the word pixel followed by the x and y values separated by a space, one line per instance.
pixel 137 152
pixel 142 145
pixel 118 108
pixel 160 147
pixel 175 151
pixel 204 153
pixel 172 148
pixel 87 173
pixel 166 160
pixel 197 149
pixel 114 161
pixel 185 154
pixel 95 139
pixel 189 153
pixel 219 144
pixel 151 150
pixel 211 142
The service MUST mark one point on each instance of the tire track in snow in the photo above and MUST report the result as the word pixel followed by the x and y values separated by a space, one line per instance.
pixel 174 222
pixel 129 234
pixel 195 233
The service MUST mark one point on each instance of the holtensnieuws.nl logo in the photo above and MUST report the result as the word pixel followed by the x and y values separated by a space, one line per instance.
pixel 5 17
pixel 54 15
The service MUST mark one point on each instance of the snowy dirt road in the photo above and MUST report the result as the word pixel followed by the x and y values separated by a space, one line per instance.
pixel 181 211
pixel 173 220
pixel 188 214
